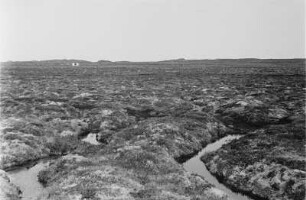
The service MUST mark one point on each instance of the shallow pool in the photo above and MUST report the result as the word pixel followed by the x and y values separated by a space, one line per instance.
pixel 91 138
pixel 26 179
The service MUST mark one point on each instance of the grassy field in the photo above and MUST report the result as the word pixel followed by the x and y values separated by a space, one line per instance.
pixel 150 117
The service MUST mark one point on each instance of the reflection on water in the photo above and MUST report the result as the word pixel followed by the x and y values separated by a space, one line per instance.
pixel 26 179
pixel 91 138
pixel 195 165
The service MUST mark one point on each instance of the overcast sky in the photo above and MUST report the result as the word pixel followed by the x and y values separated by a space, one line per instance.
pixel 149 30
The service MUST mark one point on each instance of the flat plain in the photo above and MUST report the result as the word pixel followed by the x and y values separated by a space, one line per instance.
pixel 149 118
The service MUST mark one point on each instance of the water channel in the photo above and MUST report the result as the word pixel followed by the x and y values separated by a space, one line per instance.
pixel 26 176
pixel 196 166
pixel 26 179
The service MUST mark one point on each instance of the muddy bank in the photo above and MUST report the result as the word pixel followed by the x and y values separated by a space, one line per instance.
pixel 24 141
pixel 262 164
pixel 269 162
pixel 8 189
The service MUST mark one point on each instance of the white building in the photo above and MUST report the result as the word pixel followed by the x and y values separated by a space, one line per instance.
pixel 75 64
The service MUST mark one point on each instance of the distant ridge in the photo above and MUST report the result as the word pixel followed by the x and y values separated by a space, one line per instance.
pixel 104 62
pixel 68 62
pixel 173 60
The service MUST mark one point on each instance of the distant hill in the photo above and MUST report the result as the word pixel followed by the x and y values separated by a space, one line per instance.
pixel 68 62
pixel 104 62
pixel 56 62
pixel 180 60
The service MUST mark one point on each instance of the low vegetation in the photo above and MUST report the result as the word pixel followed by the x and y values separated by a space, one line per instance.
pixel 149 117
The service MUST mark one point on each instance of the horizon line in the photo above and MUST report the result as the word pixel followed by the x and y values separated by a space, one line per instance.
pixel 174 59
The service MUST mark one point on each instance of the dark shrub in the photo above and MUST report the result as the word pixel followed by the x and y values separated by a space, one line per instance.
pixel 44 176
pixel 62 145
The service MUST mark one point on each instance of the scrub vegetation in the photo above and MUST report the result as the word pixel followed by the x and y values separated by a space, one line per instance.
pixel 149 118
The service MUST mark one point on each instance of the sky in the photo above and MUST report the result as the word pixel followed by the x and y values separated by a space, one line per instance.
pixel 151 30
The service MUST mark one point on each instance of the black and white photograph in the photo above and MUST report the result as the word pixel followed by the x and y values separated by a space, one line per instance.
pixel 152 99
